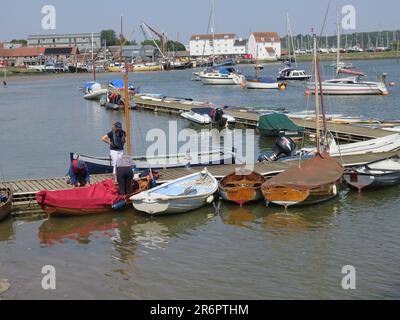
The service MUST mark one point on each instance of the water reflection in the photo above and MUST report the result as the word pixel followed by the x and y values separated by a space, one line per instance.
pixel 127 231
pixel 7 231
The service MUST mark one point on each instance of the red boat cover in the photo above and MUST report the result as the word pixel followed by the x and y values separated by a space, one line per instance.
pixel 97 196
pixel 320 170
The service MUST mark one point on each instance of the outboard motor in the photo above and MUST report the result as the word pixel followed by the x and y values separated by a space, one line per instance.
pixel 218 117
pixel 285 147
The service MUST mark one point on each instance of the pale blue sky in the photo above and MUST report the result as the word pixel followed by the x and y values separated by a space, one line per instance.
pixel 19 18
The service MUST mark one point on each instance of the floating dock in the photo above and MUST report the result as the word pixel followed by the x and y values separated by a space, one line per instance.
pixel 25 190
pixel 343 132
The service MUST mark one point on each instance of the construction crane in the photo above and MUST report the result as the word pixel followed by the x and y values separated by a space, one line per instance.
pixel 161 36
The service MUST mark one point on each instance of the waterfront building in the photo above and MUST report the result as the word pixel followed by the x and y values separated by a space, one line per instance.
pixel 264 45
pixel 22 57
pixel 81 40
pixel 222 44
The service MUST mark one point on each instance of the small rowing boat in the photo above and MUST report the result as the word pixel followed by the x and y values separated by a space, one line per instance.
pixel 241 187
pixel 178 196
pixel 377 174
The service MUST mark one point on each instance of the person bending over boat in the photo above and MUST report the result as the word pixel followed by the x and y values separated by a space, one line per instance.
pixel 79 174
pixel 125 166
pixel 116 139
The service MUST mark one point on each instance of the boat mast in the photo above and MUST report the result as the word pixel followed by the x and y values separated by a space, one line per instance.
pixel 93 61
pixel 338 37
pixel 212 30
pixel 126 91
pixel 291 43
pixel 316 95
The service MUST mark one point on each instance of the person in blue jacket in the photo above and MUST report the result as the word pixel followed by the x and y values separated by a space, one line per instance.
pixel 79 173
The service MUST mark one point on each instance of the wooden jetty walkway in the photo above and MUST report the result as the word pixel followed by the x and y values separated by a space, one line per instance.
pixel 343 132
pixel 25 190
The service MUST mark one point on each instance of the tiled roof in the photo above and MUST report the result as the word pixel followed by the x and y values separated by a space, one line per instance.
pixel 21 52
pixel 210 36
pixel 266 36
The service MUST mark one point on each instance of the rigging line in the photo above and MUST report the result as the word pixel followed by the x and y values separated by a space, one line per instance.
pixel 325 18
pixel 208 30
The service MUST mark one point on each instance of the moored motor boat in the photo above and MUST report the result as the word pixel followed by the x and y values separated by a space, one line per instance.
pixel 6 197
pixel 381 173
pixel 289 73
pixel 98 198
pixel 178 196
pixel 208 115
pixel 241 187
pixel 93 91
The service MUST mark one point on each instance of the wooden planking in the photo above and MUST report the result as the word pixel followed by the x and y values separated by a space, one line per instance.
pixel 345 131
pixel 265 168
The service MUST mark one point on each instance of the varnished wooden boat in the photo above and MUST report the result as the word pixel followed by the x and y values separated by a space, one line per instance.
pixel 286 196
pixel 315 180
pixel 5 207
pixel 241 187
pixel 139 185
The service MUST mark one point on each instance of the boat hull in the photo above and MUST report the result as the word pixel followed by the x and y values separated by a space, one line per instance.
pixel 241 188
pixel 6 207
pixel 352 89
pixel 164 207
pixel 261 85
pixel 97 165
pixel 293 78
pixel 287 196
pixel 217 81
pixel 95 95
pixel 363 181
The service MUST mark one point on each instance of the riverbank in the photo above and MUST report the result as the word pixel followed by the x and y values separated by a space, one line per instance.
pixel 343 56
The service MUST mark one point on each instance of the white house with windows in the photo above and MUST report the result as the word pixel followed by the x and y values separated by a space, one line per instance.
pixel 224 44
pixel 264 45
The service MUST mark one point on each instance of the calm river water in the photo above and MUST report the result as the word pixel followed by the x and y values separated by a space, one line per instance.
pixel 239 253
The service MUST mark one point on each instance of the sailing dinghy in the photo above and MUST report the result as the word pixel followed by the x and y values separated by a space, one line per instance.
pixel 313 180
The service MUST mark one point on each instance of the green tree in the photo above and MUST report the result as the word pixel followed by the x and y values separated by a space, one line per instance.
pixel 110 36
pixel 171 45
pixel 21 41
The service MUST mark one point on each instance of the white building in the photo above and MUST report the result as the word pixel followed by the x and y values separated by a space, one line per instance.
pixel 81 40
pixel 264 45
pixel 225 44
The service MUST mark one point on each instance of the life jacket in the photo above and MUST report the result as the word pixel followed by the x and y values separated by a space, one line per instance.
pixel 76 170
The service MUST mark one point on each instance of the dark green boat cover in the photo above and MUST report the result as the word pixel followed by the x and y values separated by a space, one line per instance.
pixel 277 122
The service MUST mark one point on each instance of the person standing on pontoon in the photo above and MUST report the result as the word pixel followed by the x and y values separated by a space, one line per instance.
pixel 116 138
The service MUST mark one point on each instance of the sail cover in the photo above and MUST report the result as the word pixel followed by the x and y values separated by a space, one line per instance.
pixel 320 170
pixel 97 196
pixel 351 72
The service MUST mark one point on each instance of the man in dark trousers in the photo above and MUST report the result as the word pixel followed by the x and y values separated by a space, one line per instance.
pixel 116 138
pixel 125 166
pixel 79 173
